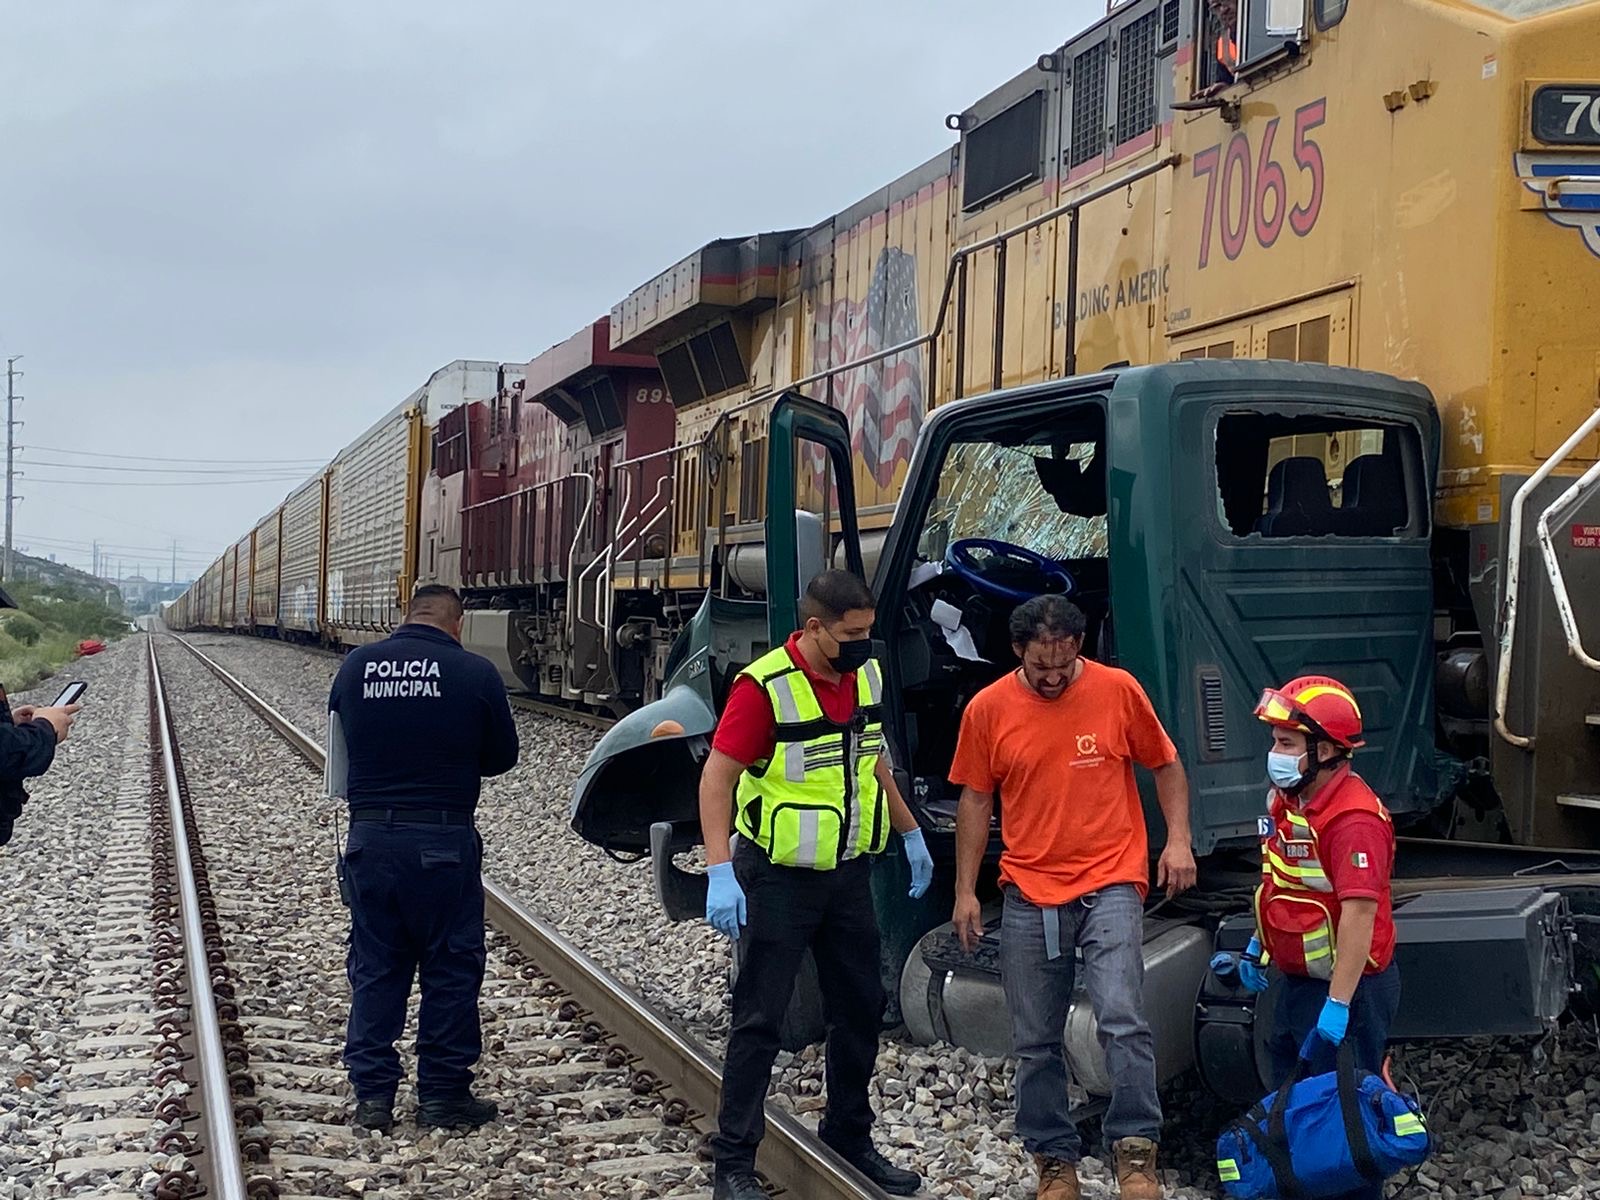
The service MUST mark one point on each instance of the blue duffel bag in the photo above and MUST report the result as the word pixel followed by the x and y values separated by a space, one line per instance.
pixel 1321 1136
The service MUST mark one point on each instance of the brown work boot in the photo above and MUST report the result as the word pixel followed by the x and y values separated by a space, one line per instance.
pixel 1136 1169
pixel 1058 1179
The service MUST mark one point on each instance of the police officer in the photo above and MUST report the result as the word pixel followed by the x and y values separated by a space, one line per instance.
pixel 799 765
pixel 28 740
pixel 1323 908
pixel 413 722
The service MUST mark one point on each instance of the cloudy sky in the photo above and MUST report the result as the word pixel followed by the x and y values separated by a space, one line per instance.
pixel 244 230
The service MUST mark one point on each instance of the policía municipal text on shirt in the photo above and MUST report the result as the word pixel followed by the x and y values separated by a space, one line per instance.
pixel 411 677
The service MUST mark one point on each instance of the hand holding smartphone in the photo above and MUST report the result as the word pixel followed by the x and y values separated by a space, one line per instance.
pixel 63 712
pixel 70 694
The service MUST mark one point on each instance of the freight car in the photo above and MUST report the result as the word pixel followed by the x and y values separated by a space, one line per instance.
pixel 335 561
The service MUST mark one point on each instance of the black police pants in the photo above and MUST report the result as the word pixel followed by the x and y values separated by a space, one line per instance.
pixel 789 909
pixel 1372 1010
pixel 416 910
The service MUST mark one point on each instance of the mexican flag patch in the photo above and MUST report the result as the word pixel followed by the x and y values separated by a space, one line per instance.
pixel 1359 859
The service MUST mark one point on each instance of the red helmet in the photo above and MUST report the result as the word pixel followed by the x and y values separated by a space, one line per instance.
pixel 1317 706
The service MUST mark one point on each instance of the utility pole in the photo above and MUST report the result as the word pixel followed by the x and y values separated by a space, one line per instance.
pixel 11 402
pixel 173 578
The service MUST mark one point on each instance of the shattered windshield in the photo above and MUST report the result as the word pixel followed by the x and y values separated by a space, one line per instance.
pixel 1056 509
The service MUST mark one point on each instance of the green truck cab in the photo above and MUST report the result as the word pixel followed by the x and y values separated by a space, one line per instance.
pixel 1224 526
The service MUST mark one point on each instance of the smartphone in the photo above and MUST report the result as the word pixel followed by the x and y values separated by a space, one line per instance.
pixel 70 694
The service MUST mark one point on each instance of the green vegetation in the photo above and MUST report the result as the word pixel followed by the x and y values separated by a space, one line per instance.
pixel 43 633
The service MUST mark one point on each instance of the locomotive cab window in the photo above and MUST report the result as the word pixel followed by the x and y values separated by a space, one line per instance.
pixel 1282 476
pixel 1233 40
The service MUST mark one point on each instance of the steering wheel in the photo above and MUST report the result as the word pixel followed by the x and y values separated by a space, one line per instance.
pixel 1007 571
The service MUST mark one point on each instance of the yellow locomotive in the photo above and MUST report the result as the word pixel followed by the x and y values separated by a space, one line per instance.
pixel 1411 187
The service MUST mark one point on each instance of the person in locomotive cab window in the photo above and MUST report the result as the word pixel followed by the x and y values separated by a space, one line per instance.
pixel 1323 915
pixel 1058 739
pixel 799 766
pixel 1226 15
pixel 414 722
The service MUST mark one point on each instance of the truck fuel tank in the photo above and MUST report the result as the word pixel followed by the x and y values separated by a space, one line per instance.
pixel 949 995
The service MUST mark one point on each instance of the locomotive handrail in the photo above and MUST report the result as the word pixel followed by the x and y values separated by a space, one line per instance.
pixel 1067 209
pixel 576 607
pixel 1552 566
pixel 955 272
pixel 607 557
pixel 532 487
pixel 1508 622
pixel 611 557
pixel 1553 185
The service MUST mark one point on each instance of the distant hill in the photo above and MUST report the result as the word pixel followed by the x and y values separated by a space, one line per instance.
pixel 53 614
pixel 57 575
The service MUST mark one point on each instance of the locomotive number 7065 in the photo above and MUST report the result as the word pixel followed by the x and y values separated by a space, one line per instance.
pixel 1261 209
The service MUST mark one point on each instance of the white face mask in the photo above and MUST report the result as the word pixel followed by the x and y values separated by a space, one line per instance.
pixel 1284 769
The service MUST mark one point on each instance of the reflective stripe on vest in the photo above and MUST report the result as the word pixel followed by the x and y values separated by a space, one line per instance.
pixel 816 801
pixel 1297 913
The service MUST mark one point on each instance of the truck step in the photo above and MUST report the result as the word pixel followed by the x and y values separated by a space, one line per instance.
pixel 1574 800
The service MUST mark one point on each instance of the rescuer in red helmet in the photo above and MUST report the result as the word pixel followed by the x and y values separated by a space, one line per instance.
pixel 1322 911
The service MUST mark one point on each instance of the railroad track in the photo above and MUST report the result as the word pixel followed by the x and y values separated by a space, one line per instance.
pixel 601 1069
pixel 577 716
pixel 525 703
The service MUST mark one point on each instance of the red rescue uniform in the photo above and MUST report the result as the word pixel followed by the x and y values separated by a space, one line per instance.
pixel 1338 847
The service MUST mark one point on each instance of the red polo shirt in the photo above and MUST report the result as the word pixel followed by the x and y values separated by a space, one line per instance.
pixel 748 730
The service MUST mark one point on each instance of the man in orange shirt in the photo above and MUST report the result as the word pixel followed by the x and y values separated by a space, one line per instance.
pixel 1058 739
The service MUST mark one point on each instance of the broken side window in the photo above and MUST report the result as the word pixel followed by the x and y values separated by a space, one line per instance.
pixel 1280 475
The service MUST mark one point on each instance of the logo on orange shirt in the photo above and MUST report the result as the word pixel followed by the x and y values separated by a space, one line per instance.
pixel 1089 750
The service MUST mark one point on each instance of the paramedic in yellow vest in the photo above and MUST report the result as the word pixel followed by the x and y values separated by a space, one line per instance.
pixel 799 768
pixel 1323 915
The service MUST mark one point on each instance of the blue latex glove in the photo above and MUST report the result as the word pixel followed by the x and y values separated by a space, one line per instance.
pixel 1229 967
pixel 1224 966
pixel 1333 1022
pixel 921 862
pixel 1251 973
pixel 724 900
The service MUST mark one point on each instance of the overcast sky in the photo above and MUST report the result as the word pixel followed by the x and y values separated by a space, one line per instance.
pixel 246 230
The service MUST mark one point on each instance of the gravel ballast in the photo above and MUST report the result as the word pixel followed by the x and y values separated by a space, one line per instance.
pixel 1504 1127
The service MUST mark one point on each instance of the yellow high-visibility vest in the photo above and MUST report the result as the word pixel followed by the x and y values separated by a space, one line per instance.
pixel 816 801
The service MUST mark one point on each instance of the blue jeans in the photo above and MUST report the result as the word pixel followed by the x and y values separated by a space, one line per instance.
pixel 1037 970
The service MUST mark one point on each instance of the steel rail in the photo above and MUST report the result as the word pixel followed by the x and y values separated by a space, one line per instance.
pixel 312 751
pixel 223 1163
pixel 791 1157
pixel 577 716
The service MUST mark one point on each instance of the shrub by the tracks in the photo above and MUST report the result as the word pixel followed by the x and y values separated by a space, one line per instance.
pixel 42 633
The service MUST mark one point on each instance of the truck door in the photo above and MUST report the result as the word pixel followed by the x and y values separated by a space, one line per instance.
pixel 811 504
pixel 1301 546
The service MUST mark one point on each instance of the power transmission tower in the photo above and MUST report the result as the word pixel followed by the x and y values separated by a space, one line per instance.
pixel 11 402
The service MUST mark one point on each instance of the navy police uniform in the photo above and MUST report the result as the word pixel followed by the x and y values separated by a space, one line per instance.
pixel 26 750
pixel 414 722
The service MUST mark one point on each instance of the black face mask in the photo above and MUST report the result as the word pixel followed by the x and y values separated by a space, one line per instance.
pixel 852 656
